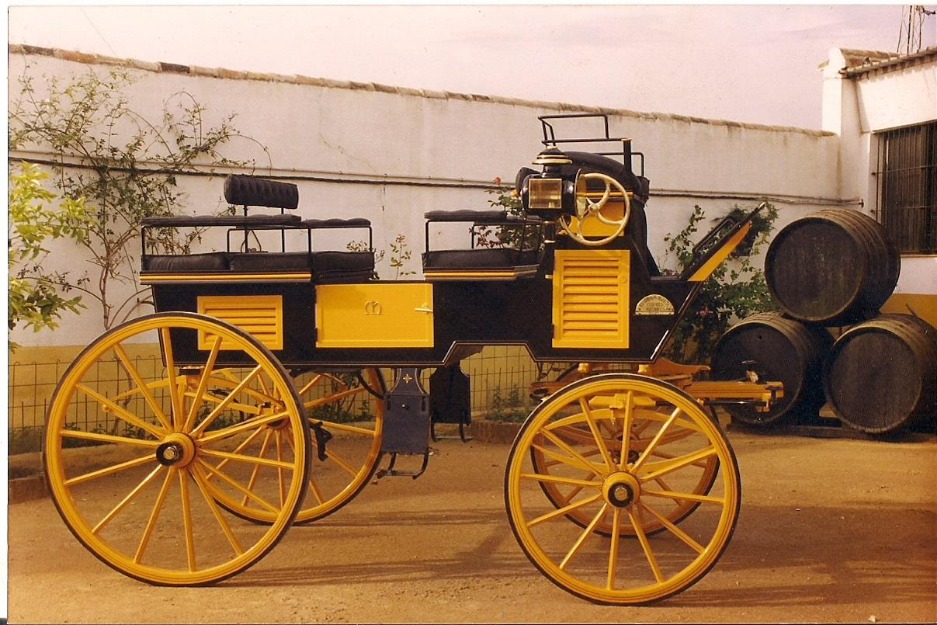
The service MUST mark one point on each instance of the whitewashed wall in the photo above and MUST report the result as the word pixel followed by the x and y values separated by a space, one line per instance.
pixel 392 154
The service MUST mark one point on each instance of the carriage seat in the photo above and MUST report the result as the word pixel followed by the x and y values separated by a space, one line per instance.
pixel 249 191
pixel 326 267
pixel 483 263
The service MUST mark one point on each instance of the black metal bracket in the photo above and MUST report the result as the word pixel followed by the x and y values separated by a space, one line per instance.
pixel 450 400
pixel 406 416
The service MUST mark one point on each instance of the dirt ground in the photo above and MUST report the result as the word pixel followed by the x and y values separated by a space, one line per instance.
pixel 831 531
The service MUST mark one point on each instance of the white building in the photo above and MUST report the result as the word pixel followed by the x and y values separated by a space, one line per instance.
pixel 883 108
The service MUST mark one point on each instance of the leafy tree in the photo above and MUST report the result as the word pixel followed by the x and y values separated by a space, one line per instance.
pixel 35 300
pixel 735 290
pixel 125 167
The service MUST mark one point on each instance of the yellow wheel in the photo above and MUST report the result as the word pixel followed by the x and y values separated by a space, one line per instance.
pixel 346 422
pixel 578 436
pixel 143 458
pixel 652 459
pixel 346 413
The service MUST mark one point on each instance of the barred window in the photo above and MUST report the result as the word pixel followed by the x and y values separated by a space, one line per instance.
pixel 907 187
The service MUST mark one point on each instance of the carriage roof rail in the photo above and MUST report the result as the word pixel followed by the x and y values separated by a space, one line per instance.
pixel 625 153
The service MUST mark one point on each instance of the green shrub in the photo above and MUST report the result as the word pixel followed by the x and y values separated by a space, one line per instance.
pixel 735 290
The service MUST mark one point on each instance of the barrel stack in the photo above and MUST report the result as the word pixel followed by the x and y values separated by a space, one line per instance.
pixel 829 273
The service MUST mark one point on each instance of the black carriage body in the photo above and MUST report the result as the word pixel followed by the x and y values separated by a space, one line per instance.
pixel 458 318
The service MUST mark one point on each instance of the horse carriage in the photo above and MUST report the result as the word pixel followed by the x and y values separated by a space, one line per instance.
pixel 285 375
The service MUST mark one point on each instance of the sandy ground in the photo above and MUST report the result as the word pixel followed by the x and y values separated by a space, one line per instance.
pixel 831 530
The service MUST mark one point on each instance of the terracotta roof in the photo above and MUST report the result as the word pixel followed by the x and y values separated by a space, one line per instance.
pixel 861 62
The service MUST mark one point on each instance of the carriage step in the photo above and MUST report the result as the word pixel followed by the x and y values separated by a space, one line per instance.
pixel 391 471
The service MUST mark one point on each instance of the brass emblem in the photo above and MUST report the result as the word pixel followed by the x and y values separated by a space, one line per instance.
pixel 373 308
pixel 654 304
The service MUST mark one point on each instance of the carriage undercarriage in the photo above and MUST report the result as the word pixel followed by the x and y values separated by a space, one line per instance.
pixel 286 378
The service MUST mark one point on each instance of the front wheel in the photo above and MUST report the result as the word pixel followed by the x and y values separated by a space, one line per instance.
pixel 644 514
pixel 146 455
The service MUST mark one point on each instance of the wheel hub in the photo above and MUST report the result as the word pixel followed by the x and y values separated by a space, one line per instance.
pixel 621 490
pixel 176 450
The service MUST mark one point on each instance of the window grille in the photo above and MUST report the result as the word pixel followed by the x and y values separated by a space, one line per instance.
pixel 907 187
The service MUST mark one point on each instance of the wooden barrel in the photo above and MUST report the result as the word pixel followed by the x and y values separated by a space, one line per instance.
pixel 783 350
pixel 834 267
pixel 881 375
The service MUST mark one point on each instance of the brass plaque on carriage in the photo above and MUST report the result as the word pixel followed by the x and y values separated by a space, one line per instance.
pixel 654 304
pixel 374 315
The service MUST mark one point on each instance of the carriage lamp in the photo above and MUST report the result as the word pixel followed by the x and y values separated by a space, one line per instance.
pixel 549 191
pixel 545 194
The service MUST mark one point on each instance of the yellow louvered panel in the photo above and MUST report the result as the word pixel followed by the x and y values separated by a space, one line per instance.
pixel 590 298
pixel 259 315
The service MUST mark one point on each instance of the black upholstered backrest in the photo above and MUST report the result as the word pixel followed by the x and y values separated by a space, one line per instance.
pixel 250 191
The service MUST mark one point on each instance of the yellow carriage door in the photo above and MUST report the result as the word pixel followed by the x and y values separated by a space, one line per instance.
pixel 374 315
pixel 591 299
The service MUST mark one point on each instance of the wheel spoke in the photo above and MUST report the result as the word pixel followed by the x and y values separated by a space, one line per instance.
pixel 584 463
pixel 250 494
pixel 119 411
pixel 244 444
pixel 317 403
pixel 599 440
pixel 646 546
pixel 187 520
pixel 556 479
pixel 657 469
pixel 109 438
pixel 223 404
pixel 583 536
pixel 347 427
pixel 111 470
pixel 684 496
pixel 126 500
pixel 277 463
pixel 577 461
pixel 564 510
pixel 626 425
pixel 676 531
pixel 343 463
pixel 228 432
pixel 175 393
pixel 282 468
pixel 216 512
pixel 202 384
pixel 613 549
pixel 154 515
pixel 312 383
pixel 143 386
pixel 657 438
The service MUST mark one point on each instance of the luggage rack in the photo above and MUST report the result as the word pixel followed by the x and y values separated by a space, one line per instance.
pixel 625 154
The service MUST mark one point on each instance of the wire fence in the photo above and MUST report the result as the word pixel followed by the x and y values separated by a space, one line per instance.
pixel 499 376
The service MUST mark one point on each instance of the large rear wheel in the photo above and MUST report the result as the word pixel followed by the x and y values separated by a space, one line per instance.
pixel 146 459
pixel 647 477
